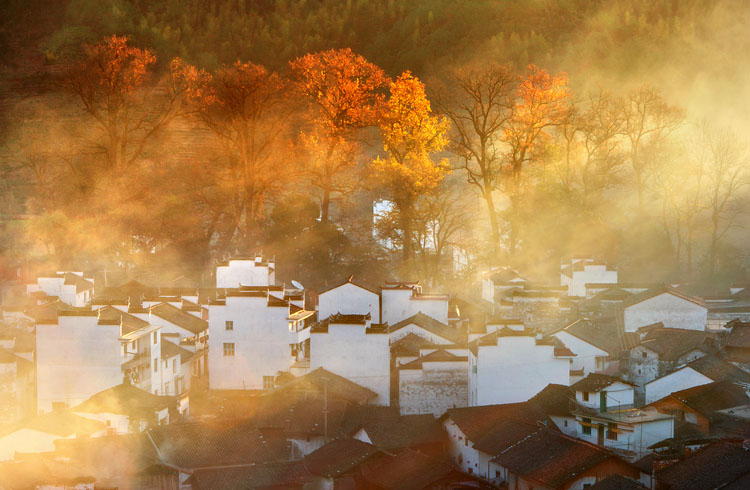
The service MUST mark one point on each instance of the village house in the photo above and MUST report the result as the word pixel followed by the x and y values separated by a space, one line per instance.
pixel 245 271
pixel 722 465
pixel 701 404
pixel 349 298
pixel 661 350
pixel 337 463
pixel 508 366
pixel 421 432
pixel 667 306
pixel 584 270
pixel 253 337
pixel 558 402
pixel 737 342
pixel 704 370
pixel 551 460
pixel 355 348
pixel 498 280
pixel 70 287
pixel 124 409
pixel 606 303
pixel 141 358
pixel 438 379
pixel 402 300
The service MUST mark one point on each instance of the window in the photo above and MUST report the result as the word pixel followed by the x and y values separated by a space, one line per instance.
pixel 166 388
pixel 497 473
pixel 566 423
pixel 268 382
pixel 229 349
pixel 228 325
pixel 586 426
pixel 156 364
pixel 585 396
pixel 644 355
pixel 154 335
pixel 174 365
pixel 612 431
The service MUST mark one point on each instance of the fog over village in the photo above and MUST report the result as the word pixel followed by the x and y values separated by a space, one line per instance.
pixel 397 245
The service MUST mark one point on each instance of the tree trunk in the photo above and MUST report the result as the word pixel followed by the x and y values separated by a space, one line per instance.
pixel 495 230
pixel 714 245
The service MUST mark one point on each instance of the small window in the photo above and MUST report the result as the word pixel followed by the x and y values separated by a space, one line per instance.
pixel 155 338
pixel 566 423
pixel 268 382
pixel 585 396
pixel 586 426
pixel 166 388
pixel 466 442
pixel 229 325
pixel 229 349
pixel 156 364
pixel 174 365
pixel 497 473
pixel 644 355
pixel 612 431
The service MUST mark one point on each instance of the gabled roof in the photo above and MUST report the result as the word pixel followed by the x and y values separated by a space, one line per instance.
pixel 551 458
pixel 555 399
pixel 718 465
pixel 504 434
pixel 404 431
pixel 202 445
pixel 79 282
pixel 285 474
pixel 125 399
pixel 170 349
pixel 176 316
pixel 438 355
pixel 129 322
pixel 63 423
pixel 597 382
pixel 739 336
pixel 428 323
pixel 718 369
pixel 671 343
pixel 408 345
pixel 708 398
pixel 338 457
pixel 605 334
pixel 475 422
pixel 406 470
pixel 356 282
pixel 315 382
pixel 653 292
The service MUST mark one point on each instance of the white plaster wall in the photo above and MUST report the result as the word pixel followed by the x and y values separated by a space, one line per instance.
pixel 586 354
pixel 617 394
pixel 349 299
pixel 435 308
pixel 590 274
pixel 672 311
pixel 241 272
pixel 398 305
pixel 516 369
pixel 567 425
pixel 681 379
pixel 418 331
pixel 461 446
pixel 75 359
pixel 261 340
pixel 348 351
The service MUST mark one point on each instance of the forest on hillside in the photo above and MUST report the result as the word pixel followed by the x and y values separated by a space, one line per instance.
pixel 163 135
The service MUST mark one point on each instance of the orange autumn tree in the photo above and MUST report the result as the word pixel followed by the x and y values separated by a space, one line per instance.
pixel 112 83
pixel 542 101
pixel 244 106
pixel 411 135
pixel 345 93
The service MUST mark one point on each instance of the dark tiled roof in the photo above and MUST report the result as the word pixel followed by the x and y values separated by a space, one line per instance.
pixel 129 322
pixel 405 470
pixel 712 467
pixel 80 283
pixel 475 422
pixel 62 423
pixel 337 386
pixel 607 335
pixel 555 399
pixel 597 382
pixel 739 337
pixel 43 471
pixel 170 349
pixel 201 445
pixel 706 399
pixel 408 345
pixel 428 323
pixel 504 434
pixel 178 317
pixel 338 457
pixel 286 474
pixel 439 355
pixel 671 343
pixel 404 431
pixel 551 458
pixel 718 369
pixel 125 399
pixel 618 482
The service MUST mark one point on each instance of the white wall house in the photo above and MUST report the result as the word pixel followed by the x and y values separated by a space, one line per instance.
pixel 352 347
pixel 509 366
pixel 433 383
pixel 141 358
pixel 589 358
pixel 238 272
pixel 632 430
pixel 681 379
pixel 580 272
pixel 349 298
pixel 499 279
pixel 252 340
pixel 75 358
pixel 70 287
pixel 403 300
pixel 665 305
